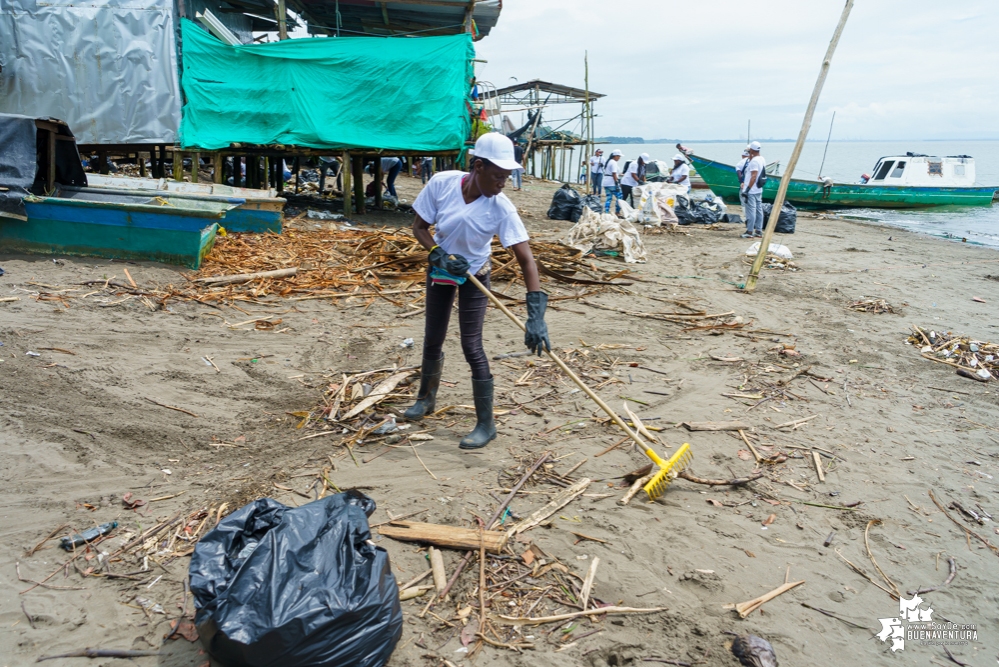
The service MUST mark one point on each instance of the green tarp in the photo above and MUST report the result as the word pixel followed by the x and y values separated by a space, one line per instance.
pixel 403 93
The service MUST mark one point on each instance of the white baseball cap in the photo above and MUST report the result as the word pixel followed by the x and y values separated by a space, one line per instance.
pixel 600 150
pixel 644 157
pixel 678 158
pixel 755 146
pixel 498 149
pixel 616 153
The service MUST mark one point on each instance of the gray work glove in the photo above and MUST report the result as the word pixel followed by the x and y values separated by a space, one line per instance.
pixel 456 265
pixel 536 336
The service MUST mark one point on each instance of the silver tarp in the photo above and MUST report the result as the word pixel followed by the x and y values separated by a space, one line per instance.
pixel 108 67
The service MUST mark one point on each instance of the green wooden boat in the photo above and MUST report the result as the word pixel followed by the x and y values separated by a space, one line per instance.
pixel 722 180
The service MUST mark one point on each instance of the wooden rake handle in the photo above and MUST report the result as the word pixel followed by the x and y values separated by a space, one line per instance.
pixel 561 364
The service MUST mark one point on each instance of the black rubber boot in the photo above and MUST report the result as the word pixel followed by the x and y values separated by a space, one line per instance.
pixel 430 382
pixel 485 429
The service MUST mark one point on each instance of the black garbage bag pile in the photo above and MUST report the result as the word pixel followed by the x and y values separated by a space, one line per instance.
pixel 593 203
pixel 296 586
pixel 787 219
pixel 566 204
pixel 697 212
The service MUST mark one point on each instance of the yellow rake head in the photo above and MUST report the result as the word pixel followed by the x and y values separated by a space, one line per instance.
pixel 668 471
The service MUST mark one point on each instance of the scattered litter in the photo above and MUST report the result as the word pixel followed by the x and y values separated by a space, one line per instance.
pixel 29 353
pixel 973 359
pixel 324 215
pixel 70 543
pixel 407 343
pixel 872 306
pixel 781 251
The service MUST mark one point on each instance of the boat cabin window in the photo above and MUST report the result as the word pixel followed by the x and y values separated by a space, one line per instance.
pixel 935 168
pixel 883 170
pixel 959 170
pixel 897 171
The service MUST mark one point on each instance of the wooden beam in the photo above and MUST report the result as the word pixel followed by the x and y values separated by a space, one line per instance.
pixel 178 165
pixel 51 173
pixel 358 167
pixel 282 19
pixel 806 123
pixel 345 168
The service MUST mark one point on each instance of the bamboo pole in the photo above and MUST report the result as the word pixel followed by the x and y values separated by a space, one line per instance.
pixel 785 181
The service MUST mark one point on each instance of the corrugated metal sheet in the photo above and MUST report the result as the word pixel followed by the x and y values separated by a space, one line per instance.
pixel 106 67
pixel 397 17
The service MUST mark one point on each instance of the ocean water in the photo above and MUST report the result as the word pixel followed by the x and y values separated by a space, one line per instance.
pixel 847 160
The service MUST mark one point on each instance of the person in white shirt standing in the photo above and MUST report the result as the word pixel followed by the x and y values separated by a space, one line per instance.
pixel 634 177
pixel 467 211
pixel 751 192
pixel 597 171
pixel 612 181
pixel 680 175
pixel 740 173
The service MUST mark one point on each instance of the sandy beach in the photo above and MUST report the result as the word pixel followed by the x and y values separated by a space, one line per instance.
pixel 86 375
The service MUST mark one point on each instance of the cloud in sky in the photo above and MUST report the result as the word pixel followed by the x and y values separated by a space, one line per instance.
pixel 904 69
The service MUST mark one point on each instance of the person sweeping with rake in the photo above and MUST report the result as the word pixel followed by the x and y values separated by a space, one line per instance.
pixel 467 210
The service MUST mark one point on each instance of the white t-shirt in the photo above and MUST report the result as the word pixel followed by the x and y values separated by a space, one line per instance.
pixel 468 229
pixel 596 164
pixel 758 165
pixel 611 167
pixel 740 164
pixel 680 172
pixel 630 178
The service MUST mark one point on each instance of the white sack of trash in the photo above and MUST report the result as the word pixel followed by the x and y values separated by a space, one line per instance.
pixel 656 202
pixel 603 231
pixel 781 251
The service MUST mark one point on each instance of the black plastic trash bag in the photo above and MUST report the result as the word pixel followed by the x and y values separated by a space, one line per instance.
pixel 278 586
pixel 593 203
pixel 785 221
pixel 566 204
pixel 732 217
pixel 699 212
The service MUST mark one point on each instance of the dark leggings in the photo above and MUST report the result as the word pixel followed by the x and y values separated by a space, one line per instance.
pixel 471 315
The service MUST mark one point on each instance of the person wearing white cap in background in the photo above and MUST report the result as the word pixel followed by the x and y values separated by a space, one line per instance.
pixel 597 170
pixel 612 180
pixel 635 176
pixel 752 192
pixel 680 174
pixel 740 173
pixel 467 210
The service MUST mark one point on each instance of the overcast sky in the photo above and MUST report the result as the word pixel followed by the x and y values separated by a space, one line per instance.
pixel 697 70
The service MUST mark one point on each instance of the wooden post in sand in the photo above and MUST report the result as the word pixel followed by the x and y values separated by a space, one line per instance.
pixel 785 180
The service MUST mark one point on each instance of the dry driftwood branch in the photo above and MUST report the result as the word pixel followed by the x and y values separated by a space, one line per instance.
pixel 636 486
pixel 867 544
pixel 721 482
pixel 437 567
pixel 952 565
pixel 449 537
pixel 744 609
pixel 564 497
pixel 967 530
pixel 716 426
pixel 247 277
pixel 378 394
pixel 584 593
pixel 516 620
pixel 100 653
